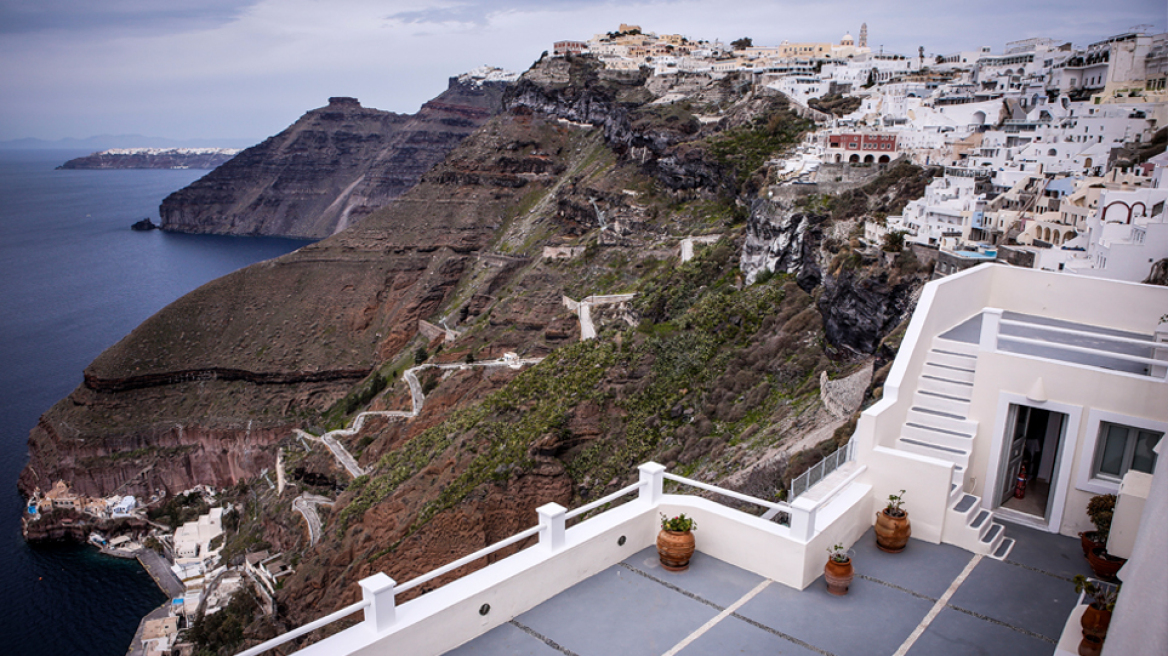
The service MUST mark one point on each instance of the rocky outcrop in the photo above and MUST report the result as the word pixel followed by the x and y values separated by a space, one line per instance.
pixel 334 166
pixel 153 158
pixel 782 240
pixel 859 310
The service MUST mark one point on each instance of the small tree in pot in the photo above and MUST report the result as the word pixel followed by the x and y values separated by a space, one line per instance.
pixel 892 526
pixel 1101 602
pixel 1101 510
pixel 675 542
pixel 838 572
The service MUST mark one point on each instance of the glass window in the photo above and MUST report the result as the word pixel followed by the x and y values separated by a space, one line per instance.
pixel 1121 448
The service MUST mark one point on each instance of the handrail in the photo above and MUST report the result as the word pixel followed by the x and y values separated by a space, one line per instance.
pixel 1080 333
pixel 608 499
pixel 466 560
pixel 845 453
pixel 773 505
pixel 307 628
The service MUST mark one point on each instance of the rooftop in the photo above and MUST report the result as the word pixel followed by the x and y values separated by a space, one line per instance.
pixel 930 599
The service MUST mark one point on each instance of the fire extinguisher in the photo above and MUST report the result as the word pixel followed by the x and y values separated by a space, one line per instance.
pixel 1020 485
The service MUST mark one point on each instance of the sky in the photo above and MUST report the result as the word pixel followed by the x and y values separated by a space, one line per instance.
pixel 246 69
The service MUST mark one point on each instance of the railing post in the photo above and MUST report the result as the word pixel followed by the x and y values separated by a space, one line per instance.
pixel 653 482
pixel 803 519
pixel 991 325
pixel 552 534
pixel 378 590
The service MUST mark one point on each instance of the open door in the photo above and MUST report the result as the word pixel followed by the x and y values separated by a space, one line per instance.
pixel 1018 426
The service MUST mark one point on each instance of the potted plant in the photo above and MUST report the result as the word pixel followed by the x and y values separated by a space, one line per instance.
pixel 1101 510
pixel 892 525
pixel 838 572
pixel 1097 616
pixel 675 542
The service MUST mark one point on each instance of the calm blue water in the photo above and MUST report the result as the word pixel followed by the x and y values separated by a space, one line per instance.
pixel 74 279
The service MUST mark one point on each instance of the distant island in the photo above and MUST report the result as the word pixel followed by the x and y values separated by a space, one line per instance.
pixel 153 158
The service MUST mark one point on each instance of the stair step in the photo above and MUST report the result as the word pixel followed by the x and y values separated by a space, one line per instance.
pixel 980 519
pixel 935 447
pixel 943 372
pixel 951 346
pixel 941 403
pixel 931 435
pixel 946 388
pixel 938 413
pixel 1003 549
pixel 993 533
pixel 938 429
pixel 966 503
pixel 952 359
pixel 959 427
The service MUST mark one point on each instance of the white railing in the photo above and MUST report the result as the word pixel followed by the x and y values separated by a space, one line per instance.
pixel 991 337
pixel 379 590
pixel 821 469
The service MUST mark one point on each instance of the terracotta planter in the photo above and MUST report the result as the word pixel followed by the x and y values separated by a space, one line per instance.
pixel 1095 621
pixel 1104 568
pixel 892 533
pixel 675 548
pixel 1087 539
pixel 838 576
pixel 1091 646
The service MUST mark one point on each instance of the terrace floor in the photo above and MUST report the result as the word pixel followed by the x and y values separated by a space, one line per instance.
pixel 969 331
pixel 930 599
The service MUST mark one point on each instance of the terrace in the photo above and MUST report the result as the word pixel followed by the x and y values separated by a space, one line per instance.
pixel 930 599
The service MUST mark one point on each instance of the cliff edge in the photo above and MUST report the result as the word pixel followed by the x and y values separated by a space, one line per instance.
pixel 330 168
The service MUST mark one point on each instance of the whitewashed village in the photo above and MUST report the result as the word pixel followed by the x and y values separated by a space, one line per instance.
pixel 1038 145
pixel 1038 138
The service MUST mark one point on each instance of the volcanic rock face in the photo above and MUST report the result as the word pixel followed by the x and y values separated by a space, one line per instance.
pixel 782 240
pixel 332 167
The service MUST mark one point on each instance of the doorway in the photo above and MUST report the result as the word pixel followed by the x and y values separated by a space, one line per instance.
pixel 1033 444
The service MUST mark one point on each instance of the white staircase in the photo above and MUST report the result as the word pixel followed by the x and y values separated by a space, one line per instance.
pixel 938 426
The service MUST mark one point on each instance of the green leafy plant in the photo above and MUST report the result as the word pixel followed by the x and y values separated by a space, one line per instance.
pixel 680 523
pixel 1101 509
pixel 894 504
pixel 838 554
pixel 1102 596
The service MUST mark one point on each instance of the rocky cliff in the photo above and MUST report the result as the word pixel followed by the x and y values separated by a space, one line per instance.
pixel 701 370
pixel 153 158
pixel 334 166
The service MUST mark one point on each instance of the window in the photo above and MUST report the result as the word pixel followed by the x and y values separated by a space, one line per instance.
pixel 1122 448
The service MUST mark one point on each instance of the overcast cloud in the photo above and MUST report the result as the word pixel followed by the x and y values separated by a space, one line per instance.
pixel 220 68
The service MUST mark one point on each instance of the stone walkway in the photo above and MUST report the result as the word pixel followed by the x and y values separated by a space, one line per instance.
pixel 417 400
pixel 928 600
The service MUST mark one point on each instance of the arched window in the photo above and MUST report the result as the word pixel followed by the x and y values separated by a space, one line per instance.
pixel 868 159
pixel 854 159
pixel 1054 238
pixel 884 159
pixel 1052 153
pixel 1047 237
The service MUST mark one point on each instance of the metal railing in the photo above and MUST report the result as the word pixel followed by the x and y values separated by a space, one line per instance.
pixel 821 469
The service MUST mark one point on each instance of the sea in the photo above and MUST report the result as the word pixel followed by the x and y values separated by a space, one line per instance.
pixel 74 279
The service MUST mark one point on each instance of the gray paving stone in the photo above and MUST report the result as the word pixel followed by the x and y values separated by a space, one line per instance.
pixel 1049 552
pixel 922 567
pixel 953 633
pixel 1017 596
pixel 734 636
pixel 618 612
pixel 871 619
pixel 708 578
pixel 505 640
